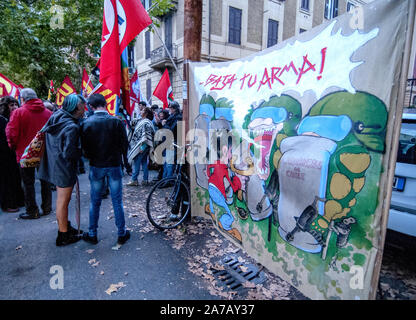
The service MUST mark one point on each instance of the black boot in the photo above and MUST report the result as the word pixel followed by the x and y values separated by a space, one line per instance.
pixel 72 230
pixel 65 238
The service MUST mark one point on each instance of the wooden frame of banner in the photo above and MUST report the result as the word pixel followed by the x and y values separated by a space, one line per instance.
pixel 185 111
pixel 393 133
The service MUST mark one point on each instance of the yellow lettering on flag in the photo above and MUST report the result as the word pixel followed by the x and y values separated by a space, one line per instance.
pixel 7 85
pixel 11 88
pixel 66 89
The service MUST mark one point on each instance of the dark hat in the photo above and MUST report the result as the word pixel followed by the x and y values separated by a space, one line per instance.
pixel 174 105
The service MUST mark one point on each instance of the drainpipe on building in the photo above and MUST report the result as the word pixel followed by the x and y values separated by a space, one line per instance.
pixel 209 32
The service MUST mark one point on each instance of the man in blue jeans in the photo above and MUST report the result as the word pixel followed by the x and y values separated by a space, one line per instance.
pixel 104 141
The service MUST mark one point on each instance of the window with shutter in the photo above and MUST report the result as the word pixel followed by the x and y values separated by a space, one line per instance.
pixel 234 28
pixel 350 6
pixel 168 33
pixel 331 9
pixel 272 33
pixel 304 5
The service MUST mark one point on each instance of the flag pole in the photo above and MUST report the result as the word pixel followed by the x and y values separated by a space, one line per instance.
pixel 99 85
pixel 89 80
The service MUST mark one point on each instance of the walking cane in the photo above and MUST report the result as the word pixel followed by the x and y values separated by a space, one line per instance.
pixel 78 206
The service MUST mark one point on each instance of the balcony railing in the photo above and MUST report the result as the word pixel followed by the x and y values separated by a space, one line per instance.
pixel 159 58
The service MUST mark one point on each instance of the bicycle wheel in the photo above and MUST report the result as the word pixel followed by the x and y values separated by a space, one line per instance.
pixel 168 203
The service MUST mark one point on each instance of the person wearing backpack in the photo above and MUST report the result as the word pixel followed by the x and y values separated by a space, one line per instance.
pixel 24 124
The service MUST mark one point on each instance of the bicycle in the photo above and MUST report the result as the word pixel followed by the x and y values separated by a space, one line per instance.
pixel 174 192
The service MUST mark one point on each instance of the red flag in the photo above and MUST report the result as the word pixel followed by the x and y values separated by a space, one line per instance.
pixel 125 81
pixel 51 90
pixel 12 88
pixel 86 85
pixel 134 90
pixel 3 90
pixel 136 94
pixel 65 90
pixel 123 20
pixel 164 90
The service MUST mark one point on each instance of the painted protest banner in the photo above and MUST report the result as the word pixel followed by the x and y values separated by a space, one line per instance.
pixel 292 148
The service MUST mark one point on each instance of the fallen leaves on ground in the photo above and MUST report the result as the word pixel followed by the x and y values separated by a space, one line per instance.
pixel 94 263
pixel 116 247
pixel 114 288
pixel 205 259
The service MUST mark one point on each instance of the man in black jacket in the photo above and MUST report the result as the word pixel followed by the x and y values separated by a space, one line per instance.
pixel 104 141
pixel 171 124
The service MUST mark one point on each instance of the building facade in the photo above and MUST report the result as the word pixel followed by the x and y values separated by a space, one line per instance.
pixel 231 29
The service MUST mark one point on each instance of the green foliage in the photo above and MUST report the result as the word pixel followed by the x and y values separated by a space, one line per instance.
pixel 41 42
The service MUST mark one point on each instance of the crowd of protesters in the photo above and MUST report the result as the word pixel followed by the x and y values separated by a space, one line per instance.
pixel 70 135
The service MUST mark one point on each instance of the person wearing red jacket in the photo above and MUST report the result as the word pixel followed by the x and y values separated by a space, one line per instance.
pixel 216 173
pixel 24 123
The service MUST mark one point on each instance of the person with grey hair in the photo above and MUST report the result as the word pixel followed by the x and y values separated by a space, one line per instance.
pixel 24 123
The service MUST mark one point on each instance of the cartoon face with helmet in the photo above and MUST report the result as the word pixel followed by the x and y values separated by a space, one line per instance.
pixel 322 169
pixel 268 125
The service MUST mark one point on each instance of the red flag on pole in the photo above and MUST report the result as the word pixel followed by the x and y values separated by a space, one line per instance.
pixel 123 20
pixel 164 90
pixel 51 90
pixel 86 85
pixel 3 90
pixel 66 89
pixel 136 94
pixel 12 88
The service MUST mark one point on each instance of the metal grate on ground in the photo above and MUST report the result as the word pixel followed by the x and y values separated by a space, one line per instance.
pixel 236 273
